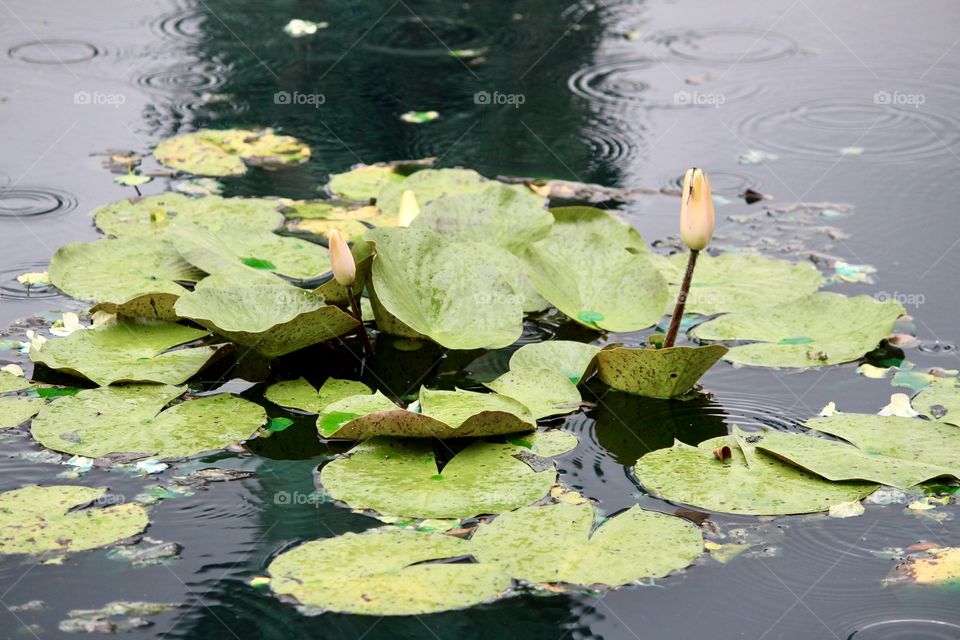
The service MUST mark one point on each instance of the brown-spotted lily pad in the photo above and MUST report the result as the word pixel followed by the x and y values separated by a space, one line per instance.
pixel 228 152
pixel 656 373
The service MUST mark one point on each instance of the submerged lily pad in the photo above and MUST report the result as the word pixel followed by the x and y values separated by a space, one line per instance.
pixel 565 356
pixel 558 543
pixel 227 152
pixel 820 329
pixel 16 411
pixel 153 215
pixel 130 276
pixel 128 351
pixel 428 185
pixel 732 282
pixel 402 479
pixel 940 400
pixel 438 289
pixel 386 571
pixel 132 419
pixel 41 519
pixel 656 373
pixel 600 281
pixel 750 482
pixel 544 392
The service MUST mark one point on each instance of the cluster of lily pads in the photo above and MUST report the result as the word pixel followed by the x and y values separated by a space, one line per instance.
pixel 452 257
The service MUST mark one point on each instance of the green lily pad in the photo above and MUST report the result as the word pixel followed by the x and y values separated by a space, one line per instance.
pixel 386 571
pixel 940 400
pixel 558 543
pixel 570 358
pixel 733 282
pixel 153 215
pixel 899 452
pixel 227 152
pixel 132 180
pixel 401 478
pixel 128 351
pixel 10 382
pixel 16 411
pixel 272 319
pixel 547 444
pixel 820 329
pixel 300 394
pixel 496 214
pixel 363 184
pixel 656 373
pixel 320 218
pixel 597 280
pixel 130 276
pixel 587 220
pixel 132 419
pixel 750 482
pixel 428 185
pixel 438 289
pixel 545 392
pixel 42 519
pixel 292 257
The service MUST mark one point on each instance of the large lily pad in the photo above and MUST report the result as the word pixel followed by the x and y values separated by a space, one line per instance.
pixel 558 543
pixel 596 280
pixel 386 571
pixel 15 411
pixel 300 394
pixel 153 215
pixel 940 400
pixel 272 319
pixel 128 351
pixel 428 185
pixel 400 478
pixel 545 392
pixel 227 152
pixel 586 220
pixel 732 282
pixel 656 373
pixel 42 519
pixel 440 290
pixel 568 357
pixel 750 482
pixel 820 329
pixel 319 218
pixel 497 214
pixel 130 276
pixel 364 183
pixel 132 419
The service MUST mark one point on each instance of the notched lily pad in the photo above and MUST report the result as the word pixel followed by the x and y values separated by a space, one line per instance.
pixel 128 351
pixel 132 420
pixel 48 519
pixel 227 152
pixel 656 373
pixel 558 543
pixel 570 358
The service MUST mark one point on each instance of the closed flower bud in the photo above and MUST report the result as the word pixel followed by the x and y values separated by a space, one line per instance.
pixel 696 210
pixel 341 259
pixel 409 209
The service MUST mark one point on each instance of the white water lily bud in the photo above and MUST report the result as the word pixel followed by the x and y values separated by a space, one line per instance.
pixel 341 259
pixel 696 210
pixel 409 209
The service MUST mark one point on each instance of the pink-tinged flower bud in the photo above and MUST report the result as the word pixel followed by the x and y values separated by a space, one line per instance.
pixel 409 209
pixel 696 210
pixel 341 259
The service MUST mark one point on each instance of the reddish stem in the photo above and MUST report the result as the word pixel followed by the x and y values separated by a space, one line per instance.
pixel 681 302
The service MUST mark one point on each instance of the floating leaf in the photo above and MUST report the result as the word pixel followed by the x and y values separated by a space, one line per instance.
pixel 899 406
pixel 544 392
pixel 597 280
pixel 297 28
pixel 363 184
pixel 128 351
pixel 11 382
pixel 940 401
pixel 752 483
pixel 587 220
pixel 153 215
pixel 39 519
pixel 300 394
pixel 547 444
pixel 938 566
pixel 428 185
pixel 439 290
pixel 566 356
pixel 733 282
pixel 558 543
pixel 319 218
pixel 386 571
pixel 820 329
pixel 656 373
pixel 132 419
pixel 419 117
pixel 16 411
pixel 132 180
pixel 402 479
pixel 227 152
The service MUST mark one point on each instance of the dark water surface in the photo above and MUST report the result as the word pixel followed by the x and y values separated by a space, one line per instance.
pixel 621 93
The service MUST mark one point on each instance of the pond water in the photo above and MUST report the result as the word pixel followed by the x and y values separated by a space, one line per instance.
pixel 860 104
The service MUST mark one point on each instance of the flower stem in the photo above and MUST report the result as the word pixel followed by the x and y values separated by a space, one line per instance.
pixel 681 301
pixel 358 314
